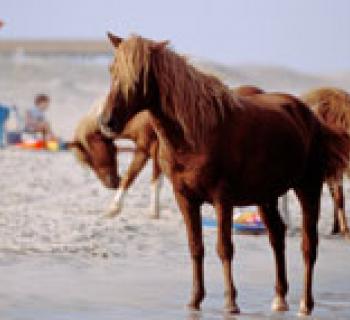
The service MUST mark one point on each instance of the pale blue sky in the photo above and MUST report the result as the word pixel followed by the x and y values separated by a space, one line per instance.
pixel 310 35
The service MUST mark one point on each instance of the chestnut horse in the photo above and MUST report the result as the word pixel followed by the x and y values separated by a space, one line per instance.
pixel 227 150
pixel 98 152
pixel 332 105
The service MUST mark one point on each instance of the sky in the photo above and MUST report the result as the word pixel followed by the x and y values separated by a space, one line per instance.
pixel 307 35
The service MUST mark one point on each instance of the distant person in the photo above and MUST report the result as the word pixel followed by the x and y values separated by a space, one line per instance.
pixel 1 24
pixel 35 120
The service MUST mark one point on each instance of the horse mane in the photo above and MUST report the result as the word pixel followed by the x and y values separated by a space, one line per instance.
pixel 198 102
pixel 87 125
pixel 332 105
pixel 131 62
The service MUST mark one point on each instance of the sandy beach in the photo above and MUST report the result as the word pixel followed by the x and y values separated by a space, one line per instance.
pixel 60 259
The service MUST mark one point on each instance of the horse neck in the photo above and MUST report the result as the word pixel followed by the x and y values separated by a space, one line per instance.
pixel 209 103
pixel 168 133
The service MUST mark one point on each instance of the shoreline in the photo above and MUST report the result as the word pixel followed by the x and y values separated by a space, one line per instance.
pixel 53 47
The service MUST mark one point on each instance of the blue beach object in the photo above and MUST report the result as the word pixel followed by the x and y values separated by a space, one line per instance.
pixel 254 227
pixel 4 114
pixel 248 222
pixel 209 222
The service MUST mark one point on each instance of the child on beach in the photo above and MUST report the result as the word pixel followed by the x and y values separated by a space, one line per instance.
pixel 35 120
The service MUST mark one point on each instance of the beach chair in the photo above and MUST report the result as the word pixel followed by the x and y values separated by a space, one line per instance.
pixel 4 114
pixel 14 126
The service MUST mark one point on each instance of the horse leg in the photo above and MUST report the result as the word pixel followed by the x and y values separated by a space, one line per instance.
pixel 155 190
pixel 191 213
pixel 136 165
pixel 337 191
pixel 309 197
pixel 155 183
pixel 277 232
pixel 333 188
pixel 225 252
pixel 341 217
pixel 343 225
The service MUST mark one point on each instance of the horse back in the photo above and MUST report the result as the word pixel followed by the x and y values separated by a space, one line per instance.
pixel 290 108
pixel 267 146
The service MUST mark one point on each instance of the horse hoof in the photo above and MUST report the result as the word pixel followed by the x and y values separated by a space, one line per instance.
pixel 346 235
pixel 109 215
pixel 196 300
pixel 304 310
pixel 279 304
pixel 334 232
pixel 112 212
pixel 193 306
pixel 154 216
pixel 233 309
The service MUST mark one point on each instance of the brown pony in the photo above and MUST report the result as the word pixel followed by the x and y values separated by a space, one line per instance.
pixel 332 105
pixel 207 137
pixel 98 152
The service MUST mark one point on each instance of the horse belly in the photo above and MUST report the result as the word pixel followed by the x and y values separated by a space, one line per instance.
pixel 264 166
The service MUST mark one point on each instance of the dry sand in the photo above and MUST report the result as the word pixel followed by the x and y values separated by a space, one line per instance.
pixel 59 259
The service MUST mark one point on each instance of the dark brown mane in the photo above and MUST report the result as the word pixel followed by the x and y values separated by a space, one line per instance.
pixel 196 100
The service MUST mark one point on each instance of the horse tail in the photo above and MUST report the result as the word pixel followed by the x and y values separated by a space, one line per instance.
pixel 334 151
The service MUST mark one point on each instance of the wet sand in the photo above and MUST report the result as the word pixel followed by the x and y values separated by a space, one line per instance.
pixel 157 286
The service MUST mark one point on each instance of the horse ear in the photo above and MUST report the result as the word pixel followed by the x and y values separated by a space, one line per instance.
pixel 158 46
pixel 115 40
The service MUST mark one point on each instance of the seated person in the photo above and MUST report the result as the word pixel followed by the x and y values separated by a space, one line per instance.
pixel 35 121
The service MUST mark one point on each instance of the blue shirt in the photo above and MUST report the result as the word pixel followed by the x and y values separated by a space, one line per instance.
pixel 36 114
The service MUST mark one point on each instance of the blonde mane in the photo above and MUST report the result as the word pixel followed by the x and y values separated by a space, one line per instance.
pixel 330 104
pixel 197 101
pixel 87 125
pixel 131 61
